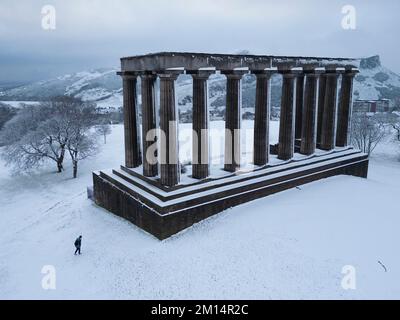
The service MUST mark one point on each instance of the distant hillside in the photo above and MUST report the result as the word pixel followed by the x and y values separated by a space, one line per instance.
pixel 104 87
pixel 94 85
pixel 376 81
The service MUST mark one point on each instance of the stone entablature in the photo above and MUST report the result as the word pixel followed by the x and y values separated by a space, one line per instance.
pixel 194 61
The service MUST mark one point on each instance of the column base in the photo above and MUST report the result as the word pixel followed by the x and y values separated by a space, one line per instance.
pixel 200 171
pixel 231 167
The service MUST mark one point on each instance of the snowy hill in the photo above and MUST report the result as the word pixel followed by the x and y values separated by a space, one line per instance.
pixel 375 81
pixel 104 87
pixel 94 85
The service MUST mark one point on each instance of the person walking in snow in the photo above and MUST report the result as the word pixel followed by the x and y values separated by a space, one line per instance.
pixel 78 243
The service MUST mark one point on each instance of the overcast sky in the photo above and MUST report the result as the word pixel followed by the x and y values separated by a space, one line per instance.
pixel 96 33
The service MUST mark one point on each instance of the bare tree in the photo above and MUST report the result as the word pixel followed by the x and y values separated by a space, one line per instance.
pixel 81 146
pixel 396 103
pixel 367 131
pixel 31 137
pixel 394 122
pixel 6 113
pixel 82 143
pixel 103 129
pixel 43 132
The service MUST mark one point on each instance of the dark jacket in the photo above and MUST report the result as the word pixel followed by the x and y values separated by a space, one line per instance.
pixel 78 242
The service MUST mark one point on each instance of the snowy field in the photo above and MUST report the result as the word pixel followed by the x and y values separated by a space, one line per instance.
pixel 292 245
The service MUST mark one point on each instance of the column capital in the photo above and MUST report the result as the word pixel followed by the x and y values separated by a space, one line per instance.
pixel 148 75
pixel 334 71
pixel 170 74
pixel 265 73
pixel 314 72
pixel 351 72
pixel 291 73
pixel 200 74
pixel 235 74
pixel 128 75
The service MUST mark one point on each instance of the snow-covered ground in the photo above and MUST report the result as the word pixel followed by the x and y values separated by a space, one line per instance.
pixel 290 245
pixel 19 104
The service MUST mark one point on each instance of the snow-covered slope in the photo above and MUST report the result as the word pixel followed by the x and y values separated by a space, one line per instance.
pixel 290 245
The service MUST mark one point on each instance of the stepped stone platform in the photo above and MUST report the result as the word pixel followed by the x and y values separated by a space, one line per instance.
pixel 165 211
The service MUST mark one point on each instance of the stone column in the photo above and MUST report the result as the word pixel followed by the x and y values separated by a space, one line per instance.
pixel 329 114
pixel 320 105
pixel 261 119
pixel 299 105
pixel 200 157
pixel 309 117
pixel 345 108
pixel 233 119
pixel 150 167
pixel 286 124
pixel 133 156
pixel 169 158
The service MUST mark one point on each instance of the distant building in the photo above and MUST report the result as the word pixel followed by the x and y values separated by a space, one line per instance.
pixel 364 106
pixel 248 114
pixel 275 112
pixel 217 114
pixel 106 109
pixel 185 116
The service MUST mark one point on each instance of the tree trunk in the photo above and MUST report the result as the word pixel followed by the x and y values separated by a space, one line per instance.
pixel 105 139
pixel 75 168
pixel 59 166
pixel 60 161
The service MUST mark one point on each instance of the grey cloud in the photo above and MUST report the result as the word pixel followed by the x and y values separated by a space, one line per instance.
pixel 96 33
